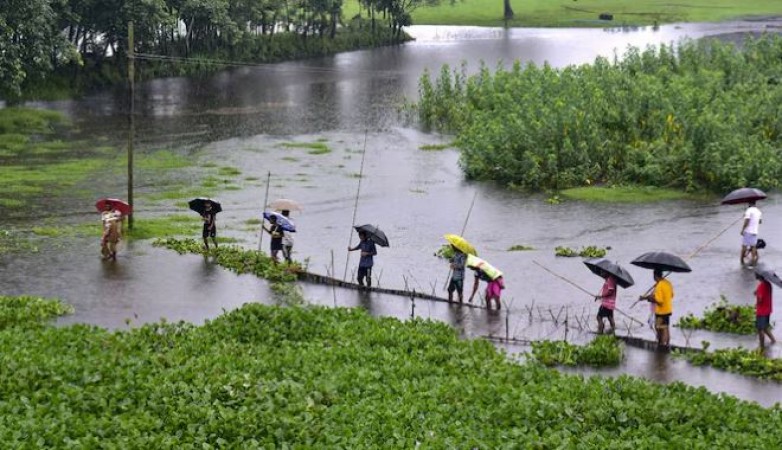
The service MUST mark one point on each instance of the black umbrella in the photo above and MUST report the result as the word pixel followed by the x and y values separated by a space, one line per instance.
pixel 374 233
pixel 600 265
pixel 661 261
pixel 199 205
pixel 768 274
pixel 743 195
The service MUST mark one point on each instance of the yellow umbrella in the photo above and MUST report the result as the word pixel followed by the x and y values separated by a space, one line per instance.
pixel 460 243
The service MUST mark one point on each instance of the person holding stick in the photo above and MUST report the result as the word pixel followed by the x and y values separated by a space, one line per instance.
pixel 368 251
pixel 277 233
pixel 456 283
pixel 662 298
pixel 607 299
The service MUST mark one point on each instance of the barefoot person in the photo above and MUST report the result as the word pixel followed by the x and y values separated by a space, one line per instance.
pixel 112 232
pixel 209 217
pixel 365 264
pixel 488 273
pixel 607 299
pixel 277 234
pixel 749 234
pixel 662 298
pixel 763 308
pixel 287 239
pixel 458 261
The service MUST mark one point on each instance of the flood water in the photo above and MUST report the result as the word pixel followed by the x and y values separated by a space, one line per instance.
pixel 242 117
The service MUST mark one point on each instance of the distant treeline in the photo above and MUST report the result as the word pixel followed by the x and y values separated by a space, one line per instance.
pixel 72 38
pixel 699 116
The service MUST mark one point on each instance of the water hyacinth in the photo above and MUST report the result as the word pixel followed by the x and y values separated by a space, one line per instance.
pixel 696 116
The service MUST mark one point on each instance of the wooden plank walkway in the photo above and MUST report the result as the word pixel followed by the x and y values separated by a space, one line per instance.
pixel 315 278
pixel 629 340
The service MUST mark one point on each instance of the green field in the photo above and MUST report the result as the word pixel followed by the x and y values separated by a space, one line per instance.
pixel 581 13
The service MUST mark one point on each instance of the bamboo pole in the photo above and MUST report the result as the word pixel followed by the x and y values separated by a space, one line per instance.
pixel 355 204
pixel 263 208
pixel 464 229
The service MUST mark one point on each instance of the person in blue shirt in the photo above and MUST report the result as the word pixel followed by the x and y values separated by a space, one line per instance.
pixel 458 261
pixel 366 262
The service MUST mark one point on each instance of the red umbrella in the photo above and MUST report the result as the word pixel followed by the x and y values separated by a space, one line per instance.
pixel 116 205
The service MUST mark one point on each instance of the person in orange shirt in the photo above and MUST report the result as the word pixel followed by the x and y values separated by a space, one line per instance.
pixel 662 297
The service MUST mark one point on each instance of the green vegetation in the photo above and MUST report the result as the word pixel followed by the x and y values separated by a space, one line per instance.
pixel 236 259
pixel 229 172
pixel 28 311
pixel 624 194
pixel 695 116
pixel 520 248
pixel 723 317
pixel 11 241
pixel 590 251
pixel 738 360
pixel 547 13
pixel 166 226
pixel 192 37
pixel 434 147
pixel 601 352
pixel 315 148
pixel 269 377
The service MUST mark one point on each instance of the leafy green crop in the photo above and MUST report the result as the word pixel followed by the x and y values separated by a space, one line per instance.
pixel 27 310
pixel 602 351
pixel 739 360
pixel 723 317
pixel 309 377
pixel 700 115
pixel 236 259
pixel 590 251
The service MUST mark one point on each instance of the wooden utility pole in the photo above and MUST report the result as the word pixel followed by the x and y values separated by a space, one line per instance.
pixel 131 119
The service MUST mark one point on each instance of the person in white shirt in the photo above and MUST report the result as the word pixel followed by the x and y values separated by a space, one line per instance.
pixel 287 239
pixel 749 234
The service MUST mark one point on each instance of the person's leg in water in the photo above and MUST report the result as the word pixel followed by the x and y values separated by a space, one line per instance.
pixel 362 272
pixel 286 253
pixel 611 322
pixel 600 321
pixel 369 277
pixel 205 235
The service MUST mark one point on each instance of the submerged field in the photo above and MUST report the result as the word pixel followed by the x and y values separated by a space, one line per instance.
pixel 267 376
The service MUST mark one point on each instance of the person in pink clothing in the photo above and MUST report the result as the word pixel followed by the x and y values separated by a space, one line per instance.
pixel 607 299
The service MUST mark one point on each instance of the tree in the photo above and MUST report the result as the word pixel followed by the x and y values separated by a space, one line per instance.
pixel 30 44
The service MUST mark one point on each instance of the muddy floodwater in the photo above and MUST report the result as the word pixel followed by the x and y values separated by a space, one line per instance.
pixel 248 118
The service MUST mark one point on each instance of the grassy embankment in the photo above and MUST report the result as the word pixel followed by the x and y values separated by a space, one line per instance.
pixel 262 376
pixel 584 13
pixel 43 171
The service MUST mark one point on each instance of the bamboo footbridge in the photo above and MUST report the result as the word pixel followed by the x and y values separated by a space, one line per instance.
pixel 315 278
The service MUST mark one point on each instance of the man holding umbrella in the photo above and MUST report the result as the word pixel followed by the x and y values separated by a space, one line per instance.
pixel 662 298
pixel 614 275
pixel 368 250
pixel 749 233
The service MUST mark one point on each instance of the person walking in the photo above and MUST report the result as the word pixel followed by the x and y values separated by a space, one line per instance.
pixel 277 233
pixel 287 239
pixel 365 264
pixel 458 262
pixel 210 225
pixel 662 298
pixel 749 234
pixel 488 273
pixel 763 308
pixel 607 299
pixel 112 232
